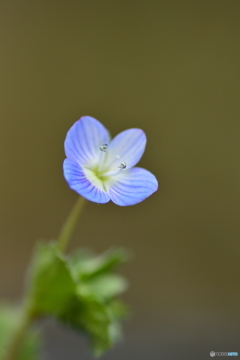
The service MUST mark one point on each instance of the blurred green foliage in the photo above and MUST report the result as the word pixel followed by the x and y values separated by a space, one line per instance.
pixel 9 318
pixel 80 291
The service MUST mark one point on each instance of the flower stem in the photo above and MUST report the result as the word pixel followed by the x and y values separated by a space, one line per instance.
pixel 24 321
pixel 70 223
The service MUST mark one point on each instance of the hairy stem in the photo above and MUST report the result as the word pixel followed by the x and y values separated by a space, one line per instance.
pixel 70 224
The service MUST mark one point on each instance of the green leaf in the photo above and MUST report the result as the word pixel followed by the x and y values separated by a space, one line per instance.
pixel 51 283
pixel 117 311
pixel 9 317
pixel 30 347
pixel 79 291
pixel 105 285
pixel 85 265
pixel 97 319
pixel 93 310
pixel 91 317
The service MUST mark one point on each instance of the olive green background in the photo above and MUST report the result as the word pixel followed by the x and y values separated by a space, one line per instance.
pixel 171 68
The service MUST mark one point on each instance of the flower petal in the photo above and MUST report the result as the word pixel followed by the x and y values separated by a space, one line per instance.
pixel 127 147
pixel 132 187
pixel 84 139
pixel 78 180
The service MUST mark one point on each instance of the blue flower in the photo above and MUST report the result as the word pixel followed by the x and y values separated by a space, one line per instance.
pixel 101 169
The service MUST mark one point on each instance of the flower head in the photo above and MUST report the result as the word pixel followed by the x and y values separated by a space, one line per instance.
pixel 101 169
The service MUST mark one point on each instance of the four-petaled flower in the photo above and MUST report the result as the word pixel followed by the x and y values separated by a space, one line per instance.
pixel 101 169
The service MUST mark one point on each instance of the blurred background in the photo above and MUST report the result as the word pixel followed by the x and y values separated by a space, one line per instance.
pixel 172 69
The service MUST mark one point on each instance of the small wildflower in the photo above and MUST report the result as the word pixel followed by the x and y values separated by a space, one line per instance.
pixel 101 169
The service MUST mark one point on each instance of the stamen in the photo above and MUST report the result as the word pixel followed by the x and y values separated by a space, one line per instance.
pixel 123 165
pixel 104 147
pixel 113 161
pixel 103 155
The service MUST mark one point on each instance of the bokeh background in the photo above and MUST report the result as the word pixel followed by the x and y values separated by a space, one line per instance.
pixel 172 69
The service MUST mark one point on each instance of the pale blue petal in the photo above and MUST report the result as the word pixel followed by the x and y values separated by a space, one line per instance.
pixel 84 139
pixel 128 147
pixel 132 186
pixel 77 180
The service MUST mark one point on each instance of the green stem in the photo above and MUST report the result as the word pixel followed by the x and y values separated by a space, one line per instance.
pixel 24 321
pixel 70 223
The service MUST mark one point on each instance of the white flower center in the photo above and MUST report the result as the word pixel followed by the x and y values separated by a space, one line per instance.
pixel 103 173
pixel 109 169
